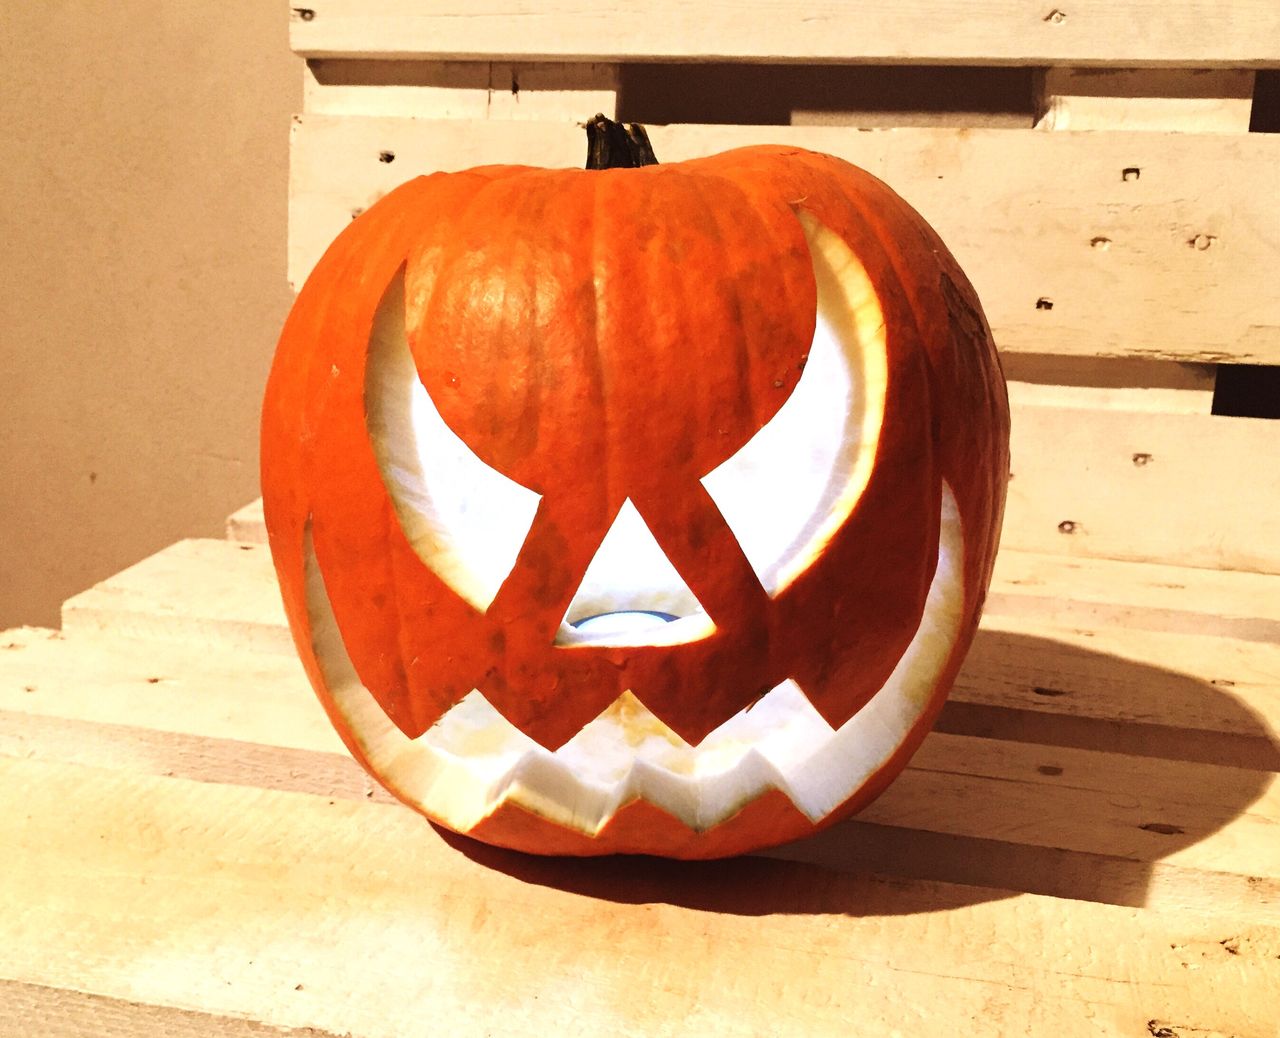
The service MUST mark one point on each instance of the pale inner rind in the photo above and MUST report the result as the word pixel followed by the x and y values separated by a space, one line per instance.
pixel 473 759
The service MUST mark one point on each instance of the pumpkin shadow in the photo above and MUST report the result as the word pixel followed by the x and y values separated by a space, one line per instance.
pixel 1073 803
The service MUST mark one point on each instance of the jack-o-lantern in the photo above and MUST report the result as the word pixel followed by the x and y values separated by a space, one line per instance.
pixel 636 509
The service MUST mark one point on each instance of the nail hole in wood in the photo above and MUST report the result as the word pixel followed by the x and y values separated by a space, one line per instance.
pixel 304 13
pixel 1202 241
pixel 1044 304
pixel 1142 459
pixel 1067 526
pixel 1055 17
pixel 386 156
pixel 1130 173
pixel 1100 243
pixel 356 212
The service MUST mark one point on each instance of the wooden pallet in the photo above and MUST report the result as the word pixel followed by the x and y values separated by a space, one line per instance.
pixel 1089 842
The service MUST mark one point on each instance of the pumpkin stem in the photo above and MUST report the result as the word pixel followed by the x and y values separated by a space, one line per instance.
pixel 612 145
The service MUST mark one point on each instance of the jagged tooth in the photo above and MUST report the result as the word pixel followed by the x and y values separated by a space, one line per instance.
pixel 667 789
pixel 543 783
pixel 721 798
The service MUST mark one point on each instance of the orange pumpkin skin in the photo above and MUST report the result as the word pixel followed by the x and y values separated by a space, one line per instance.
pixel 642 324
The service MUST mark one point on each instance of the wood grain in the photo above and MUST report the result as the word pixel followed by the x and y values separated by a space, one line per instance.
pixel 1201 806
pixel 353 917
pixel 1191 490
pixel 74 1014
pixel 1130 32
pixel 1171 262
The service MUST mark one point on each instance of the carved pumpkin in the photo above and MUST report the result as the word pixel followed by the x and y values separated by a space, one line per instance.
pixel 645 510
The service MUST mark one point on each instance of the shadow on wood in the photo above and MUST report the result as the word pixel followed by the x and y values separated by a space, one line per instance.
pixel 1095 806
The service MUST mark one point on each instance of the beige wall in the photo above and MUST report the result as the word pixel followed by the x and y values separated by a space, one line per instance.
pixel 143 166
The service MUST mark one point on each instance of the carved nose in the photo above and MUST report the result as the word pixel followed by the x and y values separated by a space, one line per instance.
pixel 630 584
pixel 623 621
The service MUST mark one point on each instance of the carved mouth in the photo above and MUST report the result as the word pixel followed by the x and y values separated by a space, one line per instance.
pixel 474 760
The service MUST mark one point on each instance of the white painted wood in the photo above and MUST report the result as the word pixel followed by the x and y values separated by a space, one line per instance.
pixel 1170 100
pixel 1244 33
pixel 460 90
pixel 1070 253
pixel 1195 490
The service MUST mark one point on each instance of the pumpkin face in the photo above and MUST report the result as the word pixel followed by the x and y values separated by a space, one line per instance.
pixel 643 510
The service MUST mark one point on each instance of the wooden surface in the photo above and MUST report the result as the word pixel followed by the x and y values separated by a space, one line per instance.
pixel 1030 216
pixel 1186 33
pixel 1084 846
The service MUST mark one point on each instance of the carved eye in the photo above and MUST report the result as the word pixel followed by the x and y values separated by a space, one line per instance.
pixel 783 494
pixel 797 480
pixel 465 520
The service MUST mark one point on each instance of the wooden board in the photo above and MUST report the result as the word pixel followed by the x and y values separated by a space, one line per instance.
pixel 1070 253
pixel 1060 699
pixel 355 918
pixel 1066 590
pixel 1185 489
pixel 1029 672
pixel 1119 32
pixel 1195 490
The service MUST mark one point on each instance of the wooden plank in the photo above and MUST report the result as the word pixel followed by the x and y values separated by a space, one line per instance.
pixel 1175 696
pixel 258 903
pixel 1146 245
pixel 1095 823
pixel 1043 797
pixel 237 597
pixel 1243 33
pixel 1189 489
pixel 1177 100
pixel 1098 593
pixel 460 90
pixel 1101 683
pixel 74 1014
pixel 247 525
pixel 1077 590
